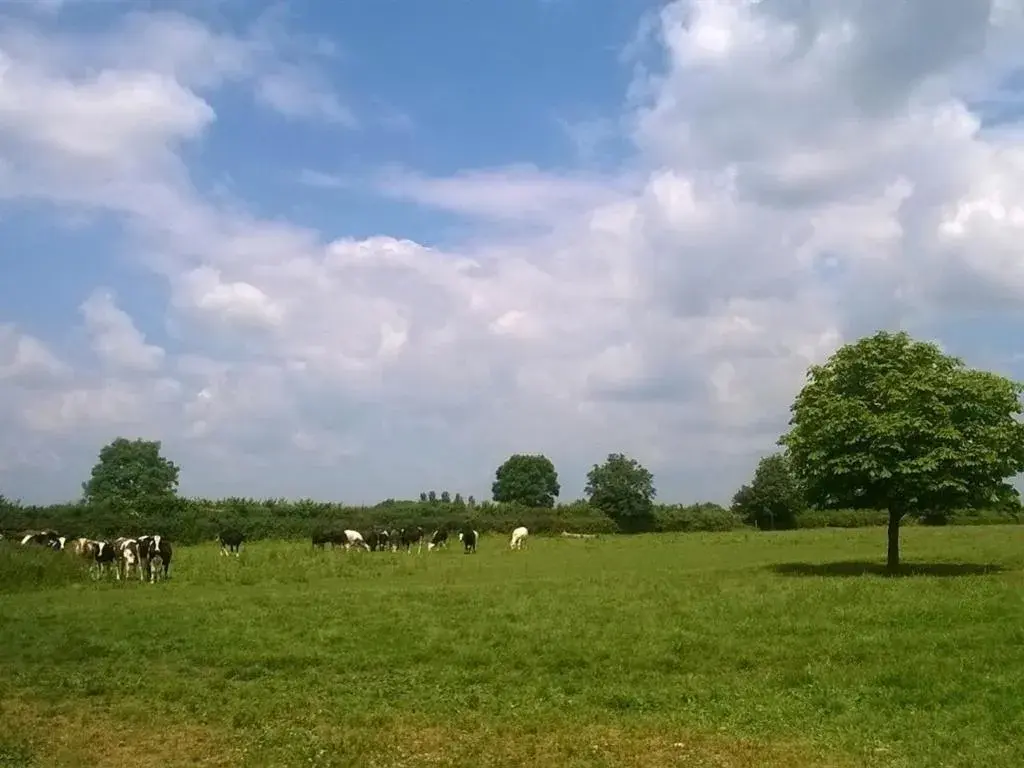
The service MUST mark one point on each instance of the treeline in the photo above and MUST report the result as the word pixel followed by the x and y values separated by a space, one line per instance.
pixel 189 521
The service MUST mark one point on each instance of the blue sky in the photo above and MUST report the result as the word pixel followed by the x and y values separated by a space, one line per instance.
pixel 360 250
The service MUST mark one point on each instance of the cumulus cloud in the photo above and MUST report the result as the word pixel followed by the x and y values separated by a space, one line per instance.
pixel 115 339
pixel 801 176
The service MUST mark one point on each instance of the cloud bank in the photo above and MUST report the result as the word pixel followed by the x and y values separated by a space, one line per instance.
pixel 801 174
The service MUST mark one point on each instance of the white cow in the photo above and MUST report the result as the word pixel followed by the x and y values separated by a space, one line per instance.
pixel 518 537
pixel 355 539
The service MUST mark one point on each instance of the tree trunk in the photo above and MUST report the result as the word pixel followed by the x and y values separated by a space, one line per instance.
pixel 892 562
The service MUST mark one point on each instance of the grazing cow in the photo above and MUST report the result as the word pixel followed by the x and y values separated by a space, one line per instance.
pixel 410 536
pixel 42 539
pixel 355 539
pixel 518 537
pixel 231 541
pixel 438 538
pixel 328 537
pixel 394 539
pixel 468 537
pixel 157 556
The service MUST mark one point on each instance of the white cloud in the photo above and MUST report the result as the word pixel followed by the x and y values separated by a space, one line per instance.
pixel 802 174
pixel 114 336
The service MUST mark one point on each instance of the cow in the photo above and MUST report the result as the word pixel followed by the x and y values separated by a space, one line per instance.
pixel 99 553
pixel 468 537
pixel 518 537
pixel 128 557
pixel 328 537
pixel 157 557
pixel 355 539
pixel 41 538
pixel 230 541
pixel 394 539
pixel 377 541
pixel 410 536
pixel 438 538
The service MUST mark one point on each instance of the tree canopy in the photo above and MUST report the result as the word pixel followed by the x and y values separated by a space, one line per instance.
pixel 773 499
pixel 892 423
pixel 527 479
pixel 130 473
pixel 624 490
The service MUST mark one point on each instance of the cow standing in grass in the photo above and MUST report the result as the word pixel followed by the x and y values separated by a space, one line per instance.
pixel 355 539
pixel 377 541
pixel 468 537
pixel 320 538
pixel 410 536
pixel 231 541
pixel 158 557
pixel 127 553
pixel 438 538
pixel 518 537
pixel 42 539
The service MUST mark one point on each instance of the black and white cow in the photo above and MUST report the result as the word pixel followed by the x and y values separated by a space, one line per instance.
pixel 157 557
pixel 355 539
pixel 468 537
pixel 231 541
pixel 410 536
pixel 394 539
pixel 378 541
pixel 438 538
pixel 42 539
pixel 333 538
pixel 128 558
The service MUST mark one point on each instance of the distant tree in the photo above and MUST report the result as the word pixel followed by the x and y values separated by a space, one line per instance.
pixel 423 497
pixel 471 502
pixel 459 502
pixel 527 479
pixel 773 499
pixel 446 497
pixel 432 497
pixel 892 423
pixel 130 473
pixel 624 490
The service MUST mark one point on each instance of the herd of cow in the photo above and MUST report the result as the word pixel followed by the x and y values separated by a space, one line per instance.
pixel 383 540
pixel 149 556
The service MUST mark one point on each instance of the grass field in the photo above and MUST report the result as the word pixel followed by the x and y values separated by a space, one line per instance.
pixel 738 649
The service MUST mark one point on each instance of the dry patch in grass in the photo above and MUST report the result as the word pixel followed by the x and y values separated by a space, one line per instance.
pixel 70 736
pixel 590 746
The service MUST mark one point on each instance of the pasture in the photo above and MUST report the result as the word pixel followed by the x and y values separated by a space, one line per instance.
pixel 729 649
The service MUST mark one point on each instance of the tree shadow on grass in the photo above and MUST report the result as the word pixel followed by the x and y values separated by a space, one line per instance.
pixel 863 568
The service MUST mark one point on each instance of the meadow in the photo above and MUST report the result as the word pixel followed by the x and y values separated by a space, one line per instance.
pixel 710 649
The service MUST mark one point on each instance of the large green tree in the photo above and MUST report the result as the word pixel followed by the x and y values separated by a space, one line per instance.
pixel 131 473
pixel 892 423
pixel 528 479
pixel 773 499
pixel 624 490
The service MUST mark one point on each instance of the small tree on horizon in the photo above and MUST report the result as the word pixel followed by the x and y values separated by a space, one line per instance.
pixel 624 490
pixel 527 479
pixel 773 499
pixel 892 423
pixel 130 473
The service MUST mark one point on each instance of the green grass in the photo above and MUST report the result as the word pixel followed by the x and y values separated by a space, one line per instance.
pixel 699 650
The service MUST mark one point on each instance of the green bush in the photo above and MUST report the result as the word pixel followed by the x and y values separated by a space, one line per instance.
pixel 27 568
pixel 841 518
pixel 695 517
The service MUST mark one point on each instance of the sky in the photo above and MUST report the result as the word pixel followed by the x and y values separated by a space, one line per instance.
pixel 359 250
